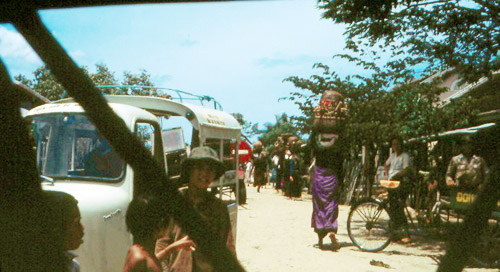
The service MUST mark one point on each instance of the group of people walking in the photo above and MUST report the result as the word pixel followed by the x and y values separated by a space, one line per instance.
pixel 286 167
pixel 283 165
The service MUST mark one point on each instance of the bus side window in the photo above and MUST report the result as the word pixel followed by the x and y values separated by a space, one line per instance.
pixel 148 134
pixel 145 133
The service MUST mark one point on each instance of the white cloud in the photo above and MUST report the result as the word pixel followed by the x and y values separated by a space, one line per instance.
pixel 77 53
pixel 13 45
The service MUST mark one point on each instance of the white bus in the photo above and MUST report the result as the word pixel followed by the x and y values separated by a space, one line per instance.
pixel 66 141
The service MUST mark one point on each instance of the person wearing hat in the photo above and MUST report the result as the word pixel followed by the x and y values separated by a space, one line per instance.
pixel 199 170
pixel 466 170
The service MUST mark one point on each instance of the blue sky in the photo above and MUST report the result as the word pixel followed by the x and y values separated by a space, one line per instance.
pixel 237 52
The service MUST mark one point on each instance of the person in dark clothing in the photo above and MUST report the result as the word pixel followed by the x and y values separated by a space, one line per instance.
pixel 199 170
pixel 279 155
pixel 259 165
pixel 291 170
pixel 329 156
pixel 65 221
pixel 326 183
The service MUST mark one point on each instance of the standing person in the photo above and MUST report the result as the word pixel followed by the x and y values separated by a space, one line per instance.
pixel 288 169
pixel 274 168
pixel 259 164
pixel 199 170
pixel 466 170
pixel 65 221
pixel 326 183
pixel 279 155
pixel 292 170
pixel 328 154
pixel 398 167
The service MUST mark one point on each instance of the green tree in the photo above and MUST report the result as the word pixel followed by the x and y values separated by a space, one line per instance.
pixel 272 132
pixel 376 114
pixel 141 79
pixel 43 83
pixel 104 76
pixel 248 128
pixel 464 35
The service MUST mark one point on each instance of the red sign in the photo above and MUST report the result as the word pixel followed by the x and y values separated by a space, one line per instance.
pixel 245 151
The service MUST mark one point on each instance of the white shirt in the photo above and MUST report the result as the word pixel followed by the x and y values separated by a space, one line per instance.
pixel 276 160
pixel 397 163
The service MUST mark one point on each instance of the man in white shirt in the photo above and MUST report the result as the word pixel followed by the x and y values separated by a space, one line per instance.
pixel 398 162
pixel 398 167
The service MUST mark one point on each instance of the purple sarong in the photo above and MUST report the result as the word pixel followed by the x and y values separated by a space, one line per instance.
pixel 325 206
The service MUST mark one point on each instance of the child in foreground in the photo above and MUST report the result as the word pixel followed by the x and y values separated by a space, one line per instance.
pixel 146 223
pixel 65 224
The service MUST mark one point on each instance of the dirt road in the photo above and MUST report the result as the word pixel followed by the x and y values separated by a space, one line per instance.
pixel 274 234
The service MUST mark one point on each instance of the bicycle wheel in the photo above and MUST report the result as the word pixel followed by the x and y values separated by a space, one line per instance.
pixel 488 251
pixel 368 226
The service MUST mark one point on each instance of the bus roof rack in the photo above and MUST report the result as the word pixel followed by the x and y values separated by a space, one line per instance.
pixel 178 95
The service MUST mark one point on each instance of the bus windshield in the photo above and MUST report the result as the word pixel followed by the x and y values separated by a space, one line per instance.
pixel 68 146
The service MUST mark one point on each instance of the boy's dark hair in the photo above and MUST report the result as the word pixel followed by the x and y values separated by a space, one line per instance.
pixel 144 217
pixel 62 207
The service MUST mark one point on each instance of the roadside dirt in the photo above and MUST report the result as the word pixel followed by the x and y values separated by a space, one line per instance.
pixel 274 234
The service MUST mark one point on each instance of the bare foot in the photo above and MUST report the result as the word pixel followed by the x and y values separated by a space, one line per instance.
pixel 333 239
pixel 320 243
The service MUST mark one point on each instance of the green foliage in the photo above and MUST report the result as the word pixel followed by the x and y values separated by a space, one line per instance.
pixel 248 128
pixel 271 132
pixel 376 114
pixel 45 84
pixel 408 34
pixel 464 35
pixel 142 79
pixel 104 76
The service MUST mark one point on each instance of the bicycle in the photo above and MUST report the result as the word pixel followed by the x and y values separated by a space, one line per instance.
pixel 369 222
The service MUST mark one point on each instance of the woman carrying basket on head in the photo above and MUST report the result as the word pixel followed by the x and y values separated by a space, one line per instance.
pixel 328 154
